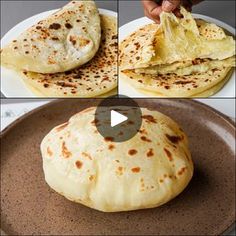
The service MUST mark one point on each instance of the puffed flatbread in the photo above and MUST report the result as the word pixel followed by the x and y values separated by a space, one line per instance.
pixel 66 39
pixel 145 171
pixel 95 78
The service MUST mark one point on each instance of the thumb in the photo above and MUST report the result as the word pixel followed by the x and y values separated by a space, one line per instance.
pixel 170 5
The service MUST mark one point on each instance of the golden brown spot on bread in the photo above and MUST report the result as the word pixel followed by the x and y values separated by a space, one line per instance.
pixel 135 169
pixel 91 177
pixel 182 170
pixel 111 147
pixel 65 152
pixel 79 164
pixel 168 153
pixel 149 118
pixel 72 39
pixel 83 42
pixel 132 152
pixel 49 152
pixel 161 180
pixel 174 139
pixel 145 139
pixel 109 139
pixel 150 153
pixel 86 155
pixel 61 127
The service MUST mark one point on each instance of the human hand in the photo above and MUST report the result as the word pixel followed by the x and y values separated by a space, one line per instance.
pixel 153 8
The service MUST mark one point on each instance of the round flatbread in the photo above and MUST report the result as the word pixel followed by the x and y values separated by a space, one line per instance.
pixel 171 85
pixel 67 39
pixel 146 171
pixel 95 78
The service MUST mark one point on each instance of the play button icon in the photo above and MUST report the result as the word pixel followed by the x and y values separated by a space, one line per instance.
pixel 118 119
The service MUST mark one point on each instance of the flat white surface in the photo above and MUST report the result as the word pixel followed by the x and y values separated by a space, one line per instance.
pixel 11 82
pixel 117 118
pixel 126 89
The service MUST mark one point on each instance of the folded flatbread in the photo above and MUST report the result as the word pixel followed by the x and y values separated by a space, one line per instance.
pixel 146 171
pixel 178 58
pixel 67 39
pixel 175 40
pixel 96 77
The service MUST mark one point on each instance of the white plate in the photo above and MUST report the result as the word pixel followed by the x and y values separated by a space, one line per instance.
pixel 11 82
pixel 125 89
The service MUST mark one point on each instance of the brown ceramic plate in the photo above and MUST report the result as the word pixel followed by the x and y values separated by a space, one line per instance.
pixel 205 207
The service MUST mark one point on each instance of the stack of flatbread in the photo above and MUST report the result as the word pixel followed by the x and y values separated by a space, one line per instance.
pixel 70 53
pixel 181 57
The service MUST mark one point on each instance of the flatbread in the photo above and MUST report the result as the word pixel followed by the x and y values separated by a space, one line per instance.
pixel 188 67
pixel 97 77
pixel 175 40
pixel 171 85
pixel 67 39
pixel 207 93
pixel 146 171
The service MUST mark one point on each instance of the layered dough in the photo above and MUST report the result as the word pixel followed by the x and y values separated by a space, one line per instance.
pixel 180 57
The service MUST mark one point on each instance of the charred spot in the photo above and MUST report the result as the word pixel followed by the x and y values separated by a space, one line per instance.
pixel 114 37
pixel 15 48
pixel 109 139
pixel 167 87
pixel 150 153
pixel 183 82
pixel 174 139
pixel 132 152
pixel 182 170
pixel 168 153
pixel 137 58
pixel 149 118
pixel 95 122
pixel 111 147
pixel 135 169
pixel 68 26
pixel 26 52
pixel 55 38
pixel 78 20
pixel 45 85
pixel 65 152
pixel 79 164
pixel 145 139
pixel 38 27
pixel 64 84
pixel 72 40
pixel 55 26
